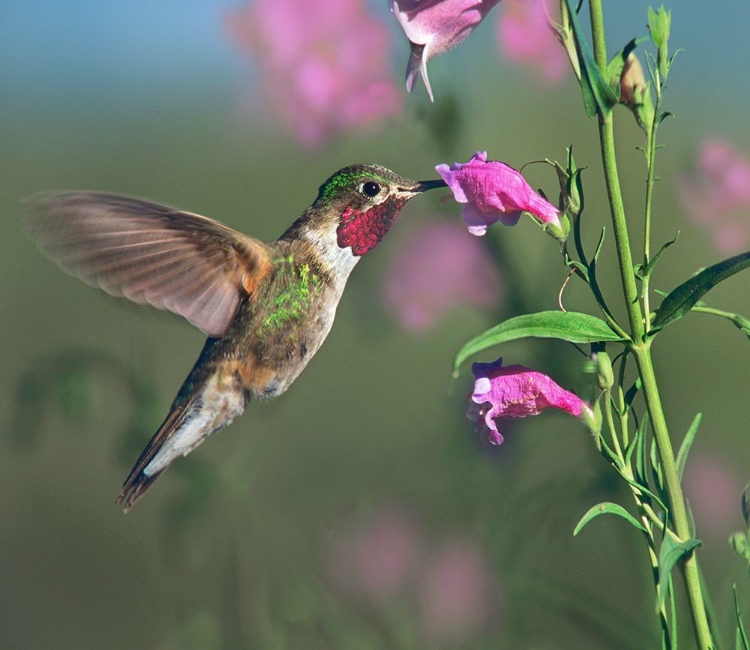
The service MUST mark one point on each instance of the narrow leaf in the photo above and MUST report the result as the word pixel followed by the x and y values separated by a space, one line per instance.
pixel 669 554
pixel 682 299
pixel 742 642
pixel 597 95
pixel 570 326
pixel 656 472
pixel 687 443
pixel 652 262
pixel 608 508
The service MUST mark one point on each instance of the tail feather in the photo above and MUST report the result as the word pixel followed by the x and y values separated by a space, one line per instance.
pixel 134 489
pixel 201 408
pixel 138 481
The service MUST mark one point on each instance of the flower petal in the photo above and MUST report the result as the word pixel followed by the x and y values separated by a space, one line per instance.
pixel 493 191
pixel 516 392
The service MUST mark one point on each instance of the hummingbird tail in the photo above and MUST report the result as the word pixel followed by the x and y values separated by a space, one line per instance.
pixel 192 419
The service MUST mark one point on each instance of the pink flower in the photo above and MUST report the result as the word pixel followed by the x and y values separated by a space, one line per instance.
pixel 515 392
pixel 434 27
pixel 325 64
pixel 438 266
pixel 375 560
pixel 456 595
pixel 524 36
pixel 716 194
pixel 713 489
pixel 494 191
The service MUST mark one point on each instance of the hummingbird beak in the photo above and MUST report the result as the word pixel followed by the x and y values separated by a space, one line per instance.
pixel 423 186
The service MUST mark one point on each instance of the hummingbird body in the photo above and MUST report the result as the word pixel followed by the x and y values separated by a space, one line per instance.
pixel 267 307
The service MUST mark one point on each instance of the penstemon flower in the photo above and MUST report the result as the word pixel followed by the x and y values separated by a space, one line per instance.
pixel 492 191
pixel 516 392
pixel 434 27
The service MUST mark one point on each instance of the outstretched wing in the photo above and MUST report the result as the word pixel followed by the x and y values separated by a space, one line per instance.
pixel 149 253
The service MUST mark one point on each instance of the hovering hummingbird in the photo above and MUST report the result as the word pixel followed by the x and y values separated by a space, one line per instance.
pixel 266 307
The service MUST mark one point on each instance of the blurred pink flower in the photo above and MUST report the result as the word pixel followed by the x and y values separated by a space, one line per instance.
pixel 436 267
pixel 714 491
pixel 325 64
pixel 374 561
pixel 456 597
pixel 434 27
pixel 493 191
pixel 716 194
pixel 525 37
pixel 515 392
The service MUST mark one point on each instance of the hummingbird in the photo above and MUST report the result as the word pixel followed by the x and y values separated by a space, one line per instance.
pixel 266 307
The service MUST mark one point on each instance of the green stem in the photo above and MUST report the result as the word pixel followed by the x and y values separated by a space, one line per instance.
pixel 651 163
pixel 640 347
pixel 612 178
pixel 678 512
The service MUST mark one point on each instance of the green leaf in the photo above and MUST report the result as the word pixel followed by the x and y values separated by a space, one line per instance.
pixel 652 262
pixel 686 444
pixel 742 642
pixel 597 95
pixel 742 323
pixel 656 472
pixel 608 508
pixel 669 554
pixel 570 326
pixel 682 299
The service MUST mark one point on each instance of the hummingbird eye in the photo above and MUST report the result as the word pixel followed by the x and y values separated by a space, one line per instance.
pixel 370 189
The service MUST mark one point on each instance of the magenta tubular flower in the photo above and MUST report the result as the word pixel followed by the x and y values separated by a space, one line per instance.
pixel 716 194
pixel 436 268
pixel 525 37
pixel 493 191
pixel 324 64
pixel 516 392
pixel 434 27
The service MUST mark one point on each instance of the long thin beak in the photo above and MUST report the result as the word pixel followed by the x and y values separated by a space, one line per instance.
pixel 423 186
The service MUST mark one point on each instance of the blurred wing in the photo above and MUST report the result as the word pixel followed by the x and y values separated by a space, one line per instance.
pixel 150 253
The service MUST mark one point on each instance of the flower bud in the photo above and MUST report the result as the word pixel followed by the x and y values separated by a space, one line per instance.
pixel 605 376
pixel 632 82
pixel 738 542
pixel 634 91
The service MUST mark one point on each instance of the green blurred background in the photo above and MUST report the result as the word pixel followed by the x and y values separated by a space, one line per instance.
pixel 233 548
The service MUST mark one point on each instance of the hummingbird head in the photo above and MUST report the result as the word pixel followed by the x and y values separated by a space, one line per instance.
pixel 361 202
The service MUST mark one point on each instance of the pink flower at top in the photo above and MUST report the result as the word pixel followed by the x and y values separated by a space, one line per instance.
pixel 434 27
pixel 716 194
pixel 515 392
pixel 324 64
pixel 437 267
pixel 524 36
pixel 493 191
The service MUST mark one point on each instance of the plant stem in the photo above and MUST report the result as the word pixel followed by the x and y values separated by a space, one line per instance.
pixel 641 347
pixel 651 164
